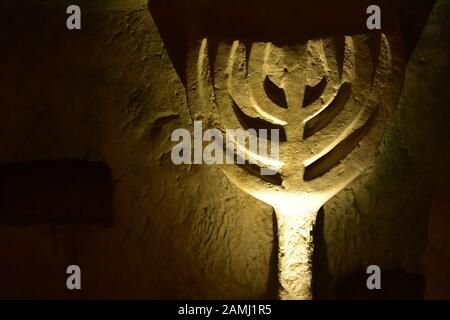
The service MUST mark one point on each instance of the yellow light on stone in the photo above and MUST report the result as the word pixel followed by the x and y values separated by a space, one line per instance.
pixel 329 140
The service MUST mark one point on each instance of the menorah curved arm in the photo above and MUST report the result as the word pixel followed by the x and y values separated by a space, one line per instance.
pixel 338 66
pixel 351 150
pixel 241 90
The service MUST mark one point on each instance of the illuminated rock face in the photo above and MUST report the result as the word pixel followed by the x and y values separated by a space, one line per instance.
pixel 313 70
pixel 111 94
pixel 331 98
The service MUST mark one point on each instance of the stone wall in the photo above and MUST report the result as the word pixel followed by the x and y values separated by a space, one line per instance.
pixel 110 93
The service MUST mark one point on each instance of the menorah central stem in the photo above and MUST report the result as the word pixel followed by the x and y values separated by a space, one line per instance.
pixel 295 248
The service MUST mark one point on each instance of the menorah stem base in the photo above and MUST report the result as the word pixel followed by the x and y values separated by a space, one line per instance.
pixel 295 249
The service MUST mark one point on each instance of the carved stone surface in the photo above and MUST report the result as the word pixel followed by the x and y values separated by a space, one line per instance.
pixel 331 98
pixel 329 93
pixel 111 93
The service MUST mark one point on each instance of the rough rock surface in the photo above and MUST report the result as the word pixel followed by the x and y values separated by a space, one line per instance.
pixel 109 93
pixel 382 218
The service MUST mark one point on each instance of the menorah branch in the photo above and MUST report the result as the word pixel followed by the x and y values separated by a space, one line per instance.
pixel 295 249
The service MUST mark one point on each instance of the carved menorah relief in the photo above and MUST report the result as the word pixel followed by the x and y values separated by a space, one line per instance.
pixel 330 98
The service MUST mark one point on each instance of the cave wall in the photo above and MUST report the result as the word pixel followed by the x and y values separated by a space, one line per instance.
pixel 382 218
pixel 110 93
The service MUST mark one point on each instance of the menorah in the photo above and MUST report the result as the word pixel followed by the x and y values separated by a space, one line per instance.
pixel 331 99
pixel 330 95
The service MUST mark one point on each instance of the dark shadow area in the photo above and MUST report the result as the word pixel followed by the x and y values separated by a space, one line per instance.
pixel 395 285
pixel 275 94
pixel 312 93
pixel 55 192
pixel 436 259
pixel 413 15
pixel 182 22
pixel 272 281
pixel 320 271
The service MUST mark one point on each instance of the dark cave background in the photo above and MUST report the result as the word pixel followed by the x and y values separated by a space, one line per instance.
pixel 87 116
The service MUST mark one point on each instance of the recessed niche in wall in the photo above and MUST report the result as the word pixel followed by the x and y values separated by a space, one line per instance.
pixel 55 192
